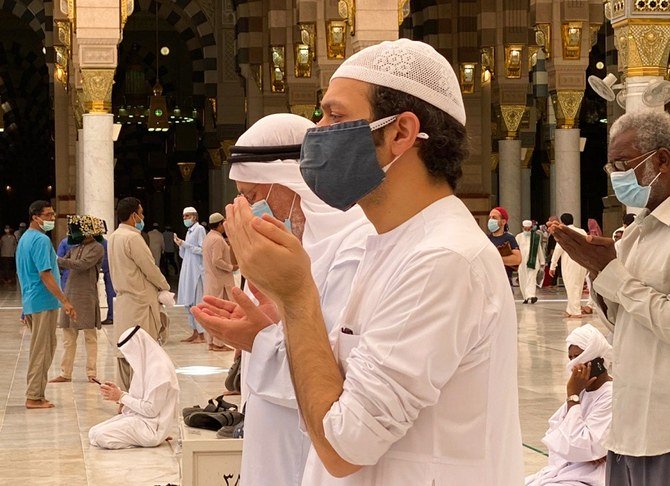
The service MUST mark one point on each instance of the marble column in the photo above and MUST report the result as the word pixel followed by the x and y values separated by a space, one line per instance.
pixel 568 172
pixel 79 156
pixel 217 182
pixel 97 177
pixel 509 169
pixel 525 193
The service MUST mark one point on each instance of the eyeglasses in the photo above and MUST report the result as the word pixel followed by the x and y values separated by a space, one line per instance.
pixel 622 165
pixel 50 214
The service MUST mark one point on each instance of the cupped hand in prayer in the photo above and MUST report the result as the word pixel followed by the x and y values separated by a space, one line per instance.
pixel 592 252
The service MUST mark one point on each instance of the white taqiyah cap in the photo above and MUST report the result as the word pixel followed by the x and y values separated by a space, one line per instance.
pixel 215 218
pixel 409 66
pixel 527 223
pixel 190 210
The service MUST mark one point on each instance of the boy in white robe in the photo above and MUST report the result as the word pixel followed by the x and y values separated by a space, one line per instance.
pixel 532 260
pixel 578 428
pixel 149 406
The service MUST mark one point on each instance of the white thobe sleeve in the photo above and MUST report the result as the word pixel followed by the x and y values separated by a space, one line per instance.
pixel 193 246
pixel 578 438
pixel 650 307
pixel 421 332
pixel 556 256
pixel 268 373
pixel 151 406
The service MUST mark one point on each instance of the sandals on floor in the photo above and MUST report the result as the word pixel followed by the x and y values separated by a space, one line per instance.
pixel 213 421
pixel 217 404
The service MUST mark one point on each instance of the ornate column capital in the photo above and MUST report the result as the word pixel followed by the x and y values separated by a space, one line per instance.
pixel 511 120
pixel 643 45
pixel 566 106
pixel 97 84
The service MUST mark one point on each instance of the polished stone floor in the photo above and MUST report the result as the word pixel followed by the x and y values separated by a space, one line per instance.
pixel 50 447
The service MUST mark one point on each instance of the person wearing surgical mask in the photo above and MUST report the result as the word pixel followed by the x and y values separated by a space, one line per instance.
pixel 41 297
pixel 504 241
pixel 577 429
pixel 192 270
pixel 532 261
pixel 631 291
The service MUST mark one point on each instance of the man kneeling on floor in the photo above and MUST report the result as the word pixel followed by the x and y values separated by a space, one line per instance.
pixel 149 406
pixel 577 429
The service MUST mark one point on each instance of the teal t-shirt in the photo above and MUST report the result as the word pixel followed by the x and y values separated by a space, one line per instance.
pixel 35 254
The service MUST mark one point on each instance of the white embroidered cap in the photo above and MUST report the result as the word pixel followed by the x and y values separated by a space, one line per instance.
pixel 190 210
pixel 409 66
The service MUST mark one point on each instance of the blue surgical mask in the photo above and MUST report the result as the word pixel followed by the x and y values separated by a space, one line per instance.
pixel 140 225
pixel 262 207
pixel 188 223
pixel 493 225
pixel 628 190
pixel 339 162
pixel 48 225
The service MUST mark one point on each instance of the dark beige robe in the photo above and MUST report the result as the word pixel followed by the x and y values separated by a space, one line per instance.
pixel 84 263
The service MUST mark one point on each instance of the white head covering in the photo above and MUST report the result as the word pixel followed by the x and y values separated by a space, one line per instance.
pixel 190 210
pixel 527 223
pixel 215 218
pixel 592 341
pixel 622 229
pixel 280 129
pixel 151 365
pixel 409 66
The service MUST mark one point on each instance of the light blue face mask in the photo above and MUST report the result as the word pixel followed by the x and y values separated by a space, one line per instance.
pixel 628 190
pixel 140 225
pixel 493 225
pixel 188 223
pixel 262 207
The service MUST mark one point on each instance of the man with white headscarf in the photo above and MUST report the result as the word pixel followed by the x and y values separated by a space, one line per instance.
pixel 532 261
pixel 578 428
pixel 264 165
pixel 421 387
pixel 149 406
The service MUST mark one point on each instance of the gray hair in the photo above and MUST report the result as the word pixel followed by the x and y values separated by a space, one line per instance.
pixel 651 127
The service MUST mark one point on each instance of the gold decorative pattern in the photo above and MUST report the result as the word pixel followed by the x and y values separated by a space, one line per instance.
pixel 511 116
pixel 336 40
pixel 278 69
pixel 61 71
pixel 648 49
pixel 303 110
pixel 72 13
pixel 621 44
pixel 566 107
pixel 403 11
pixel 127 7
pixel 525 163
pixel 64 32
pixel 543 38
pixel 571 40
pixel 302 61
pixel 97 84
pixel 186 170
pixel 488 63
pixel 467 77
pixel 593 30
pixel 308 36
pixel 532 56
pixel 513 56
pixel 347 11
pixel 651 6
pixel 495 158
pixel 215 157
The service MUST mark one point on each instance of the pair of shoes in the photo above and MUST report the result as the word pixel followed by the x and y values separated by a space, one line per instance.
pixel 213 420
pixel 525 301
pixel 214 405
pixel 533 300
pixel 60 379
pixel 107 322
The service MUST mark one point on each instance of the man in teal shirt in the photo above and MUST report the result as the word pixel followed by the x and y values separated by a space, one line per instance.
pixel 37 267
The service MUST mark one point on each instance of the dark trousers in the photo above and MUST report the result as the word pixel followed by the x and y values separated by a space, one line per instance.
pixel 109 291
pixel 7 269
pixel 167 260
pixel 638 471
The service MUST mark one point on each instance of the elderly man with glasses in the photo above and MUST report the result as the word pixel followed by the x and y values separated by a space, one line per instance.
pixel 41 296
pixel 633 294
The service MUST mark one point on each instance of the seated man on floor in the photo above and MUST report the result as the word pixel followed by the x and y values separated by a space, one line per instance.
pixel 577 429
pixel 149 406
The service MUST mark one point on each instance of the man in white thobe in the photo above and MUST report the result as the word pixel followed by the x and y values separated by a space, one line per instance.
pixel 532 261
pixel 156 244
pixel 574 275
pixel 335 242
pixel 190 276
pixel 150 405
pixel 577 429
pixel 421 386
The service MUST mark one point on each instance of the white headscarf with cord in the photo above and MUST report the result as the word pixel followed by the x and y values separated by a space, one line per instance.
pixel 321 220
pixel 592 341
pixel 152 367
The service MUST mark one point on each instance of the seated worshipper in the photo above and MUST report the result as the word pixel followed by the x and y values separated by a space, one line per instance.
pixel 504 241
pixel 532 261
pixel 149 406
pixel 577 429
pixel 83 260
pixel 264 164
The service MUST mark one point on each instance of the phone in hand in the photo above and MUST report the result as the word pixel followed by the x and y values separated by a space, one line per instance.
pixel 597 367
pixel 95 380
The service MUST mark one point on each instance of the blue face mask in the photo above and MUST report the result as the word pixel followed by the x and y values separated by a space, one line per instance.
pixel 628 190
pixel 493 225
pixel 339 162
pixel 188 223
pixel 262 207
pixel 140 225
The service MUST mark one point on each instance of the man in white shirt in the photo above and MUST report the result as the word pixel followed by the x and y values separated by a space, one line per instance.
pixel 421 386
pixel 156 244
pixel 573 273
pixel 577 429
pixel 532 261
pixel 632 289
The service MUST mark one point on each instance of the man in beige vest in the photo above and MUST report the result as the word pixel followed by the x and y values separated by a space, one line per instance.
pixel 219 266
pixel 136 279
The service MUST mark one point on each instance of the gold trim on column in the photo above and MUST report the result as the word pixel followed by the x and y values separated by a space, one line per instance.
pixel 467 77
pixel 97 84
pixel 571 39
pixel 303 110
pixel 543 38
pixel 593 30
pixel 566 107
pixel 64 29
pixel 648 48
pixel 525 163
pixel 278 69
pixel 511 117
pixel 347 11
pixel 186 170
pixel 403 11
pixel 513 55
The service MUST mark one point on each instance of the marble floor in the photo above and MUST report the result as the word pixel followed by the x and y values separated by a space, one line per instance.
pixel 50 447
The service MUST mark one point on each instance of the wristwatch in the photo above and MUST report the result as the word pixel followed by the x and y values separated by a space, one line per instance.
pixel 573 398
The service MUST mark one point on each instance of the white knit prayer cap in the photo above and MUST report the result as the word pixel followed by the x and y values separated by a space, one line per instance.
pixel 592 341
pixel 527 223
pixel 190 210
pixel 411 67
